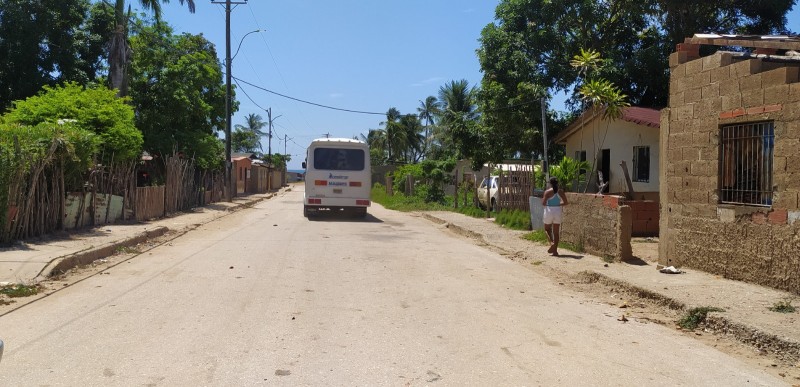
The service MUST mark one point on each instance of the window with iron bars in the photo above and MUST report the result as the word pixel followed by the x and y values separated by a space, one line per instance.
pixel 746 163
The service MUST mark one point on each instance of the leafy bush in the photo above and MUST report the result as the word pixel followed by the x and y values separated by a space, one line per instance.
pixel 569 171
pixel 94 109
pixel 696 316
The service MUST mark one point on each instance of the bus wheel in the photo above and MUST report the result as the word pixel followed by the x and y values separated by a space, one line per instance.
pixel 305 211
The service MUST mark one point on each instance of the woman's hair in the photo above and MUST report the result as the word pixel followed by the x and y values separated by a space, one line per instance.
pixel 554 184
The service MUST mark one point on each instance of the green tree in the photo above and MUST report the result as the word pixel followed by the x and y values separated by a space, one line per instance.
pixel 254 124
pixel 244 140
pixel 530 42
pixel 459 133
pixel 279 161
pixel 393 134
pixel 177 91
pixel 48 42
pixel 428 111
pixel 119 49
pixel 412 137
pixel 94 109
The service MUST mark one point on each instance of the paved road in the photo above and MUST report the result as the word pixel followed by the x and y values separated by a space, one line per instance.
pixel 266 297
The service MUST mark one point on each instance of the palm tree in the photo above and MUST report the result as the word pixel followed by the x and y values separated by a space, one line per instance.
pixel 254 124
pixel 412 137
pixel 457 101
pixel 119 50
pixel 393 133
pixel 427 110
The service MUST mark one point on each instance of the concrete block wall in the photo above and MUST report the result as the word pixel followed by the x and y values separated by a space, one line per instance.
pixel 601 224
pixel 755 244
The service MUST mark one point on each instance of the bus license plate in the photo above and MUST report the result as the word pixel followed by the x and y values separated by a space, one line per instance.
pixel 337 190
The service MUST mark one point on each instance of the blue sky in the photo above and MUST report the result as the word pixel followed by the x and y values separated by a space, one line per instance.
pixel 364 55
pixel 350 54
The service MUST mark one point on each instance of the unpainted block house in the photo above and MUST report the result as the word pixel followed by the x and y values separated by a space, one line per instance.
pixel 730 160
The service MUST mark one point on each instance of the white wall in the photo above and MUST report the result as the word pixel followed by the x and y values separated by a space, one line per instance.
pixel 620 137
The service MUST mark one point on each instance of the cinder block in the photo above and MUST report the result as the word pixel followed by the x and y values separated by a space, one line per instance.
pixel 709 153
pixel 685 112
pixel 752 98
pixel 717 60
pixel 700 138
pixel 730 102
pixel 690 153
pixel 720 74
pixel 780 76
pixel 694 67
pixel 752 82
pixel 710 90
pixel 745 68
pixel 708 107
pixel 778 164
pixel 791 111
pixel 776 94
pixel 693 95
pixel 794 92
pixel 792 164
pixel 699 196
pixel 729 87
pixel 678 58
pixel 676 99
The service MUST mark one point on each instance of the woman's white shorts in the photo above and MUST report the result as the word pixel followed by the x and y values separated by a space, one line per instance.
pixel 552 214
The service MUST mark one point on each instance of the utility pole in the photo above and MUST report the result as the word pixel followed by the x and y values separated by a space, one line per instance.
pixel 544 138
pixel 228 96
pixel 269 147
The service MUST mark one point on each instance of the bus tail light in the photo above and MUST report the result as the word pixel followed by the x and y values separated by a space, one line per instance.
pixel 320 182
pixel 355 184
pixel 362 202
pixel 314 201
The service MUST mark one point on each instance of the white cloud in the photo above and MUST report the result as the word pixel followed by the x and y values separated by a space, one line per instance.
pixel 427 81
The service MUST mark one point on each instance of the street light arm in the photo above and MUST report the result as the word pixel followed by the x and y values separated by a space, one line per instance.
pixel 241 41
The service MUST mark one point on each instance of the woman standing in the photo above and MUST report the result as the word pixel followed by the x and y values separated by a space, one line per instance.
pixel 552 200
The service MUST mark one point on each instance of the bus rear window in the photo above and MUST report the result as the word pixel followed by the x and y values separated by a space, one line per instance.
pixel 337 159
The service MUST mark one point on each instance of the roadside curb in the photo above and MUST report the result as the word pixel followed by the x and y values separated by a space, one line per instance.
pixel 63 264
pixel 456 228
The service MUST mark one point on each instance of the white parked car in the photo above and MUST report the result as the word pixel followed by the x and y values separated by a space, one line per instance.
pixel 482 196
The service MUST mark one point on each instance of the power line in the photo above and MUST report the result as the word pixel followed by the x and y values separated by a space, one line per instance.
pixel 307 102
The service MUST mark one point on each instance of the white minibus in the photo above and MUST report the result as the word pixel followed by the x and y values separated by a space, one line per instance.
pixel 338 177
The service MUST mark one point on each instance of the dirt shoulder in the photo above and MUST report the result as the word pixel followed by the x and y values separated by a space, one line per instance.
pixel 742 326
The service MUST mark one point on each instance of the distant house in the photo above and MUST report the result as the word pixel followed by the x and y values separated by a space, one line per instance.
pixel 241 172
pixel 632 139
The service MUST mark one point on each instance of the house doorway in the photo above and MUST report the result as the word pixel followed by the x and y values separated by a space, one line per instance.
pixel 605 167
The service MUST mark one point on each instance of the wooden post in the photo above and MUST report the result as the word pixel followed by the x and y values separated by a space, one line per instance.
pixel 627 179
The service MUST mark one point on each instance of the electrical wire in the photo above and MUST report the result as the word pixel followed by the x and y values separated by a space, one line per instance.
pixel 306 102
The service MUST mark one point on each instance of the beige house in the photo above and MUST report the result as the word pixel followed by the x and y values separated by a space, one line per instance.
pixel 730 146
pixel 632 139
